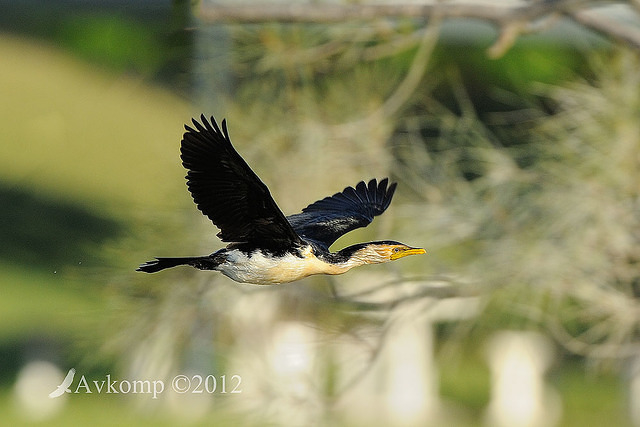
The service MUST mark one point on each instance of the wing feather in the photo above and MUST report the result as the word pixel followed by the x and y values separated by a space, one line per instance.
pixel 227 191
pixel 327 219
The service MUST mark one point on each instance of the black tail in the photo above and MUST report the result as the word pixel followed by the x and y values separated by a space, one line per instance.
pixel 162 263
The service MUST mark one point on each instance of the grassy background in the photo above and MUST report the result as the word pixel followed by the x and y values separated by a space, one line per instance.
pixel 84 153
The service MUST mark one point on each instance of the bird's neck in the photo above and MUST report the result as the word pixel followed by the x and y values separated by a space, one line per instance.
pixel 354 256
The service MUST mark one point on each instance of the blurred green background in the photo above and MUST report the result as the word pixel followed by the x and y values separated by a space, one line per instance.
pixel 519 174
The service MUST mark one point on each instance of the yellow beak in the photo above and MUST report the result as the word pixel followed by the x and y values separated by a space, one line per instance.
pixel 409 251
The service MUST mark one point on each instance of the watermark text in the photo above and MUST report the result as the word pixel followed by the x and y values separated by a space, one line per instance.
pixel 196 384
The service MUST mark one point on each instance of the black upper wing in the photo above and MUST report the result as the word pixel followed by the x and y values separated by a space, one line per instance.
pixel 327 219
pixel 226 190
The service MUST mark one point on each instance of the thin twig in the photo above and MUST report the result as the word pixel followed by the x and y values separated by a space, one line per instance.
pixel 405 89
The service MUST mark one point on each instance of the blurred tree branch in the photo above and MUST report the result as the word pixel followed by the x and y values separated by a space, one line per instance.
pixel 608 27
pixel 510 19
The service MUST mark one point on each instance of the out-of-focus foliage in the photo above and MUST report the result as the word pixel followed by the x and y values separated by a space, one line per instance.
pixel 149 39
pixel 538 206
pixel 547 224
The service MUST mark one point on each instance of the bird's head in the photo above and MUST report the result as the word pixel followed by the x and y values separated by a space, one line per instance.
pixel 382 251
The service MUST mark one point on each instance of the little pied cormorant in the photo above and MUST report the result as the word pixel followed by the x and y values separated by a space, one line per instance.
pixel 265 247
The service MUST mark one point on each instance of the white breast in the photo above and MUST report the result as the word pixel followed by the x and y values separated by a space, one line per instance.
pixel 263 270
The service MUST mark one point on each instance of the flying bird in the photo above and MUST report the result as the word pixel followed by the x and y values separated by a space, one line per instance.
pixel 64 387
pixel 265 246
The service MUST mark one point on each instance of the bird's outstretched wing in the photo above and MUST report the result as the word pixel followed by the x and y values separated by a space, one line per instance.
pixel 327 219
pixel 226 190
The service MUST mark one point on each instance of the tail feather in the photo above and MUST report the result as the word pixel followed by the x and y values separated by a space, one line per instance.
pixel 162 263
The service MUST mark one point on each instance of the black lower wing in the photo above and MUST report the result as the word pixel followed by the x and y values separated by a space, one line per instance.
pixel 326 220
pixel 226 190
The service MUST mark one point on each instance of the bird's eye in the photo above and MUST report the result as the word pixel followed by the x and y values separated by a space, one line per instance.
pixel 396 250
